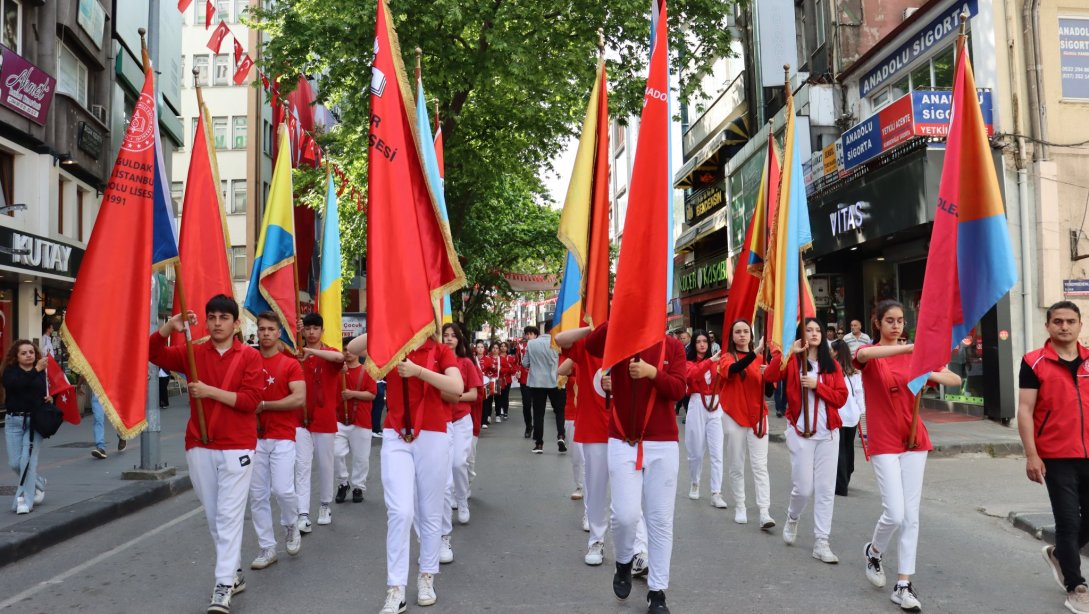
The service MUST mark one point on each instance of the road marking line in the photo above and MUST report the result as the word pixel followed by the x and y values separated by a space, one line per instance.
pixel 98 559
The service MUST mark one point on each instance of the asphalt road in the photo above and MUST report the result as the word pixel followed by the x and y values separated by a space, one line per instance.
pixel 523 552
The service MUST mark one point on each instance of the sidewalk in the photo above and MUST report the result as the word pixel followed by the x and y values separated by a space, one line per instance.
pixel 83 492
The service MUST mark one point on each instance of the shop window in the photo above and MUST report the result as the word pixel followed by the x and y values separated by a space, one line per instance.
pixel 12 11
pixel 219 131
pixel 7 180
pixel 238 263
pixel 944 66
pixel 72 75
pixel 238 132
pixel 967 362
pixel 239 199
pixel 920 77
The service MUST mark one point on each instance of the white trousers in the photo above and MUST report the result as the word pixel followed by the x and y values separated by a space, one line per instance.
pixel 357 441
pixel 414 483
pixel 703 431
pixel 596 496
pixel 650 493
pixel 457 481
pixel 813 473
pixel 308 448
pixel 221 479
pixel 740 439
pixel 273 474
pixel 578 463
pixel 472 460
pixel 900 479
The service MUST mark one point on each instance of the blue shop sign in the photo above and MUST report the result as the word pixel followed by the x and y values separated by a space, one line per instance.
pixel 862 143
pixel 942 27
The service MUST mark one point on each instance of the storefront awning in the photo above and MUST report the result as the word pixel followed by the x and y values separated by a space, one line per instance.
pixel 701 230
pixel 708 158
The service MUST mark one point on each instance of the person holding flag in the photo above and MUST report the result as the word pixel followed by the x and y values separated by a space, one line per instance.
pixel 24 392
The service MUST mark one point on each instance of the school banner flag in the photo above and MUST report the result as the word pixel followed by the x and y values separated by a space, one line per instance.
pixel 407 272
pixel 639 306
pixel 274 283
pixel 745 283
pixel 329 280
pixel 433 165
pixel 970 265
pixel 62 391
pixel 164 230
pixel 204 243
pixel 115 278
pixel 568 315
pixel 658 12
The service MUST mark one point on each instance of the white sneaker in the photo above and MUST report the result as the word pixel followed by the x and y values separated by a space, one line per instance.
pixel 1053 565
pixel 741 516
pixel 264 559
pixel 790 531
pixel 463 512
pixel 303 523
pixel 577 495
pixel 425 590
pixel 874 572
pixel 39 496
pixel 221 600
pixel 694 491
pixel 823 552
pixel 21 507
pixel 1077 600
pixel 446 551
pixel 585 523
pixel 595 555
pixel 718 501
pixel 766 521
pixel 904 596
pixel 395 601
pixel 639 564
pixel 325 515
pixel 292 539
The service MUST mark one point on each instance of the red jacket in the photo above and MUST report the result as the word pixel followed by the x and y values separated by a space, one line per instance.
pixel 1061 428
pixel 831 388
pixel 742 397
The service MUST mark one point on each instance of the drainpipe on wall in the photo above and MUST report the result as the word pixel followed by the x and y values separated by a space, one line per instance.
pixel 1020 160
pixel 1030 24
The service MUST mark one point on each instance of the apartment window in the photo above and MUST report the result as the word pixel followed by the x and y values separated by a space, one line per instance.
pixel 238 262
pixel 199 16
pixel 177 193
pixel 223 183
pixel 238 200
pixel 79 213
pixel 238 132
pixel 72 75
pixel 7 180
pixel 219 130
pixel 60 206
pixel 223 10
pixel 266 145
pixel 221 74
pixel 200 62
pixel 240 8
pixel 185 76
pixel 818 20
pixel 13 25
pixel 936 72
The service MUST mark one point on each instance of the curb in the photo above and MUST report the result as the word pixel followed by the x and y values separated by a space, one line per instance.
pixel 1040 525
pixel 38 533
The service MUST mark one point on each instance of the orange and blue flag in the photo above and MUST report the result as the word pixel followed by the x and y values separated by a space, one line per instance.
pixel 330 278
pixel 970 266
pixel 433 167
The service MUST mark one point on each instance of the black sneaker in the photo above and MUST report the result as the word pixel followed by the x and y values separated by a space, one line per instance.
pixel 342 492
pixel 562 445
pixel 527 435
pixel 122 444
pixel 538 448
pixel 357 495
pixel 622 580
pixel 98 453
pixel 656 603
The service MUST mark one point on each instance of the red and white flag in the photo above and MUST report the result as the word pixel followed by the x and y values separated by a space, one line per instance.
pixel 243 70
pixel 62 391
pixel 221 32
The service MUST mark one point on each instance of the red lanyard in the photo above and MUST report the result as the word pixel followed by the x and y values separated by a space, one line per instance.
pixel 646 416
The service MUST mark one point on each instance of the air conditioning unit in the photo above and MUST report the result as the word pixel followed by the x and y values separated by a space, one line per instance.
pixel 99 112
pixel 908 12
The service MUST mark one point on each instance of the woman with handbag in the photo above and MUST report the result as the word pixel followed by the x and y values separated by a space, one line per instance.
pixel 25 392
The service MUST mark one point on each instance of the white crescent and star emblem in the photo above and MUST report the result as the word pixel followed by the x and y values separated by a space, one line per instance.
pixel 597 383
pixel 269 380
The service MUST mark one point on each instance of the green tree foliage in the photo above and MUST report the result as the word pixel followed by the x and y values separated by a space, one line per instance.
pixel 511 81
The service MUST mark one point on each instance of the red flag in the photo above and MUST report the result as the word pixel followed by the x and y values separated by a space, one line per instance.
pixel 209 13
pixel 202 242
pixel 264 78
pixel 439 153
pixel 62 391
pixel 407 272
pixel 220 33
pixel 243 70
pixel 595 305
pixel 115 278
pixel 183 5
pixel 744 285
pixel 239 52
pixel 639 297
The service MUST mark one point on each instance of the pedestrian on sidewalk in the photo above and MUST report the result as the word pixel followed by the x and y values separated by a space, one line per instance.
pixel 813 436
pixel 542 361
pixel 745 423
pixel 644 455
pixel 523 389
pixel 1050 418
pixel 567 374
pixel 703 426
pixel 856 338
pixel 850 413
pixel 460 428
pixel 282 398
pixel 98 429
pixel 886 372
pixel 229 385
pixel 354 429
pixel 314 437
pixel 415 446
pixel 24 392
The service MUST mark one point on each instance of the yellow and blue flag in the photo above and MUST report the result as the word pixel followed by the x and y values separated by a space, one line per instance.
pixel 329 280
pixel 433 172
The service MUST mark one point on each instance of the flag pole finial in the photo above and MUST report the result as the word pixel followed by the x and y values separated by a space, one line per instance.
pixel 600 40
pixel 143 48
pixel 196 85
pixel 419 63
pixel 963 22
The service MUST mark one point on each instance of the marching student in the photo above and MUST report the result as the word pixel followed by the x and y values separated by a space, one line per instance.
pixel 492 366
pixel 509 368
pixel 703 426
pixel 477 412
pixel 643 427
pixel 813 436
pixel 898 468
pixel 461 438
pixel 851 413
pixel 745 421
pixel 314 438
pixel 567 372
pixel 274 459
pixel 415 446
pixel 354 430
pixel 230 384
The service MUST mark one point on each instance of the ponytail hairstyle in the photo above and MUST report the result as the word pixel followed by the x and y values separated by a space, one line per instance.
pixel 843 357
pixel 825 362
